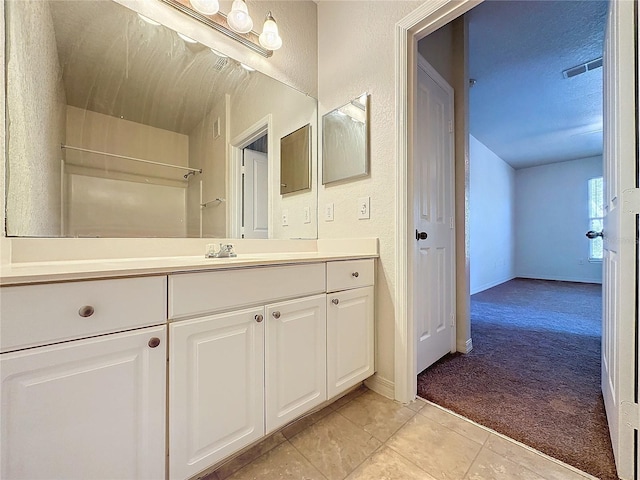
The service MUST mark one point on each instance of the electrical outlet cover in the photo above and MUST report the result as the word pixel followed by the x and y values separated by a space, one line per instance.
pixel 364 208
pixel 328 212
pixel 285 218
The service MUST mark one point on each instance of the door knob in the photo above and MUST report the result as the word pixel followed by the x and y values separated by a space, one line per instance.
pixel 154 342
pixel 335 301
pixel 259 318
pixel 86 311
pixel 421 235
pixel 592 234
pixel 276 314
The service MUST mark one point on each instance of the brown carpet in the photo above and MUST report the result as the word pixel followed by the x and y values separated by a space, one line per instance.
pixel 534 371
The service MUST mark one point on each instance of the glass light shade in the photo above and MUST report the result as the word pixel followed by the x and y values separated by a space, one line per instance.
pixel 238 18
pixel 206 7
pixel 269 38
pixel 247 67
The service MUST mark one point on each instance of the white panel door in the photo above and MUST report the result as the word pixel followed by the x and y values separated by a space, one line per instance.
pixel 255 195
pixel 619 233
pixel 350 339
pixel 434 253
pixel 296 366
pixel 87 409
pixel 216 388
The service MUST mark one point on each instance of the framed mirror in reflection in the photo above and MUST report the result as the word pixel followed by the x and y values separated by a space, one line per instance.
pixel 345 141
pixel 119 126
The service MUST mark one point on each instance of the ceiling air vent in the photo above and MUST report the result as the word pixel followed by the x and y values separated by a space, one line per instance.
pixel 582 68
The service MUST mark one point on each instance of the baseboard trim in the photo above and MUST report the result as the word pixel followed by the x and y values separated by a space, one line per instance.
pixel 559 278
pixel 465 347
pixel 489 285
pixel 380 385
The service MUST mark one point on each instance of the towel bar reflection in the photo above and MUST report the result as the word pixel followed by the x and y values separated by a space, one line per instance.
pixel 190 171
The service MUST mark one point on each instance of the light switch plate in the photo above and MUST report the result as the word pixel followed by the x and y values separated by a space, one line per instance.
pixel 285 218
pixel 307 214
pixel 328 212
pixel 364 205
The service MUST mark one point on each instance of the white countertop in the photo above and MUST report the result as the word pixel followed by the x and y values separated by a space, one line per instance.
pixel 58 271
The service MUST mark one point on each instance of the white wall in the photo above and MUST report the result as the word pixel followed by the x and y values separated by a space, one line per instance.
pixel 37 104
pixel 356 54
pixel 492 211
pixel 552 219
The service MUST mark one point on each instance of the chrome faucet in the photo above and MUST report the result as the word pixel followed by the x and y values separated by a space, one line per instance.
pixel 225 251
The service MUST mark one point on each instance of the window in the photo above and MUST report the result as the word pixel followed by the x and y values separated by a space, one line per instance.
pixel 596 213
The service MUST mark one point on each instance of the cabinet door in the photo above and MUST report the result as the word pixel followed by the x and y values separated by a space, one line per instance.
pixel 296 378
pixel 216 393
pixel 88 409
pixel 350 339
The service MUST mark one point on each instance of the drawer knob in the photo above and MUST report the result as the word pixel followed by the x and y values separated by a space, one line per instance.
pixel 154 342
pixel 355 274
pixel 335 301
pixel 276 314
pixel 259 318
pixel 86 311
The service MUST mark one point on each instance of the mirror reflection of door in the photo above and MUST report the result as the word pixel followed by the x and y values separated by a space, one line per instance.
pixel 255 190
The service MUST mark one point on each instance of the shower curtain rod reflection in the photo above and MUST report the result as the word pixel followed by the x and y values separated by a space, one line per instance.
pixel 190 171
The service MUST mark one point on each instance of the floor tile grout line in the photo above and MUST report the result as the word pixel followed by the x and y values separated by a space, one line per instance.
pixel 412 462
pixel 473 461
pixel 586 475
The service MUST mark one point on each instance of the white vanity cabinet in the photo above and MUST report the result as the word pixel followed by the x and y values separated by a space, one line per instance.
pixel 296 352
pixel 216 388
pixel 91 408
pixel 350 324
pixel 237 375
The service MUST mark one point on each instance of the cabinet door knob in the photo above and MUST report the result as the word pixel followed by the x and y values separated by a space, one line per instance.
pixel 355 274
pixel 86 311
pixel 335 301
pixel 259 318
pixel 276 314
pixel 154 342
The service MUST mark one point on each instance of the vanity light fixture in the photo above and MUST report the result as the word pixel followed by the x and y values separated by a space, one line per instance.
pixel 206 7
pixel 247 67
pixel 237 25
pixel 270 38
pixel 239 19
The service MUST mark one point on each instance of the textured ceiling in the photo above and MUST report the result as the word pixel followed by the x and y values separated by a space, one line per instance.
pixel 116 64
pixel 521 106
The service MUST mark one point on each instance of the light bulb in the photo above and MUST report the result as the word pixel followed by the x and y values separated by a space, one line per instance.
pixel 186 39
pixel 206 7
pixel 238 18
pixel 149 21
pixel 269 38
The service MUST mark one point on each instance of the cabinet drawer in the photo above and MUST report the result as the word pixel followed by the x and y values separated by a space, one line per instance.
pixel 193 294
pixel 41 314
pixel 350 274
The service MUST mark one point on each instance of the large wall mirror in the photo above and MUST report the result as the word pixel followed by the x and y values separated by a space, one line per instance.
pixel 121 127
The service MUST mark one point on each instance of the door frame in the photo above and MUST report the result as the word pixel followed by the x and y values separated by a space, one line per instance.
pixel 262 127
pixel 421 22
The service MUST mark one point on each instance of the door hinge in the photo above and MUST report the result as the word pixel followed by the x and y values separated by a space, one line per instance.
pixel 242 169
pixel 630 415
pixel 631 201
pixel 450 126
pixel 451 223
pixel 452 317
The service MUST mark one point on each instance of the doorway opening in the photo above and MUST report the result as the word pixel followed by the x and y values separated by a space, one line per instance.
pixel 250 174
pixel 502 256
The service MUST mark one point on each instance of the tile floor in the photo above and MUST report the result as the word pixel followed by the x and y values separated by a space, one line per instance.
pixel 366 436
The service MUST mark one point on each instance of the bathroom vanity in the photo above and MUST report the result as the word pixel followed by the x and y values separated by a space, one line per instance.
pixel 166 373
